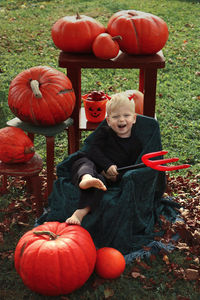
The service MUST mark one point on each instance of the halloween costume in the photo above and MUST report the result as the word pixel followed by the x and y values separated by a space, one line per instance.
pixel 106 149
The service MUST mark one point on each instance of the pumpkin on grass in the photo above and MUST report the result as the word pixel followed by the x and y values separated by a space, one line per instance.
pixel 76 33
pixel 42 96
pixel 55 258
pixel 110 263
pixel 141 32
pixel 15 146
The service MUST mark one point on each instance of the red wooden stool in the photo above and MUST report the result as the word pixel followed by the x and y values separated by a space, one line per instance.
pixel 49 132
pixel 30 171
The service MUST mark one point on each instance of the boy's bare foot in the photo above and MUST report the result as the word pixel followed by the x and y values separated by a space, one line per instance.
pixel 78 216
pixel 73 220
pixel 88 181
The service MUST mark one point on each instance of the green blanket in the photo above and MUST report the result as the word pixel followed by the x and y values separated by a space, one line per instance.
pixel 129 210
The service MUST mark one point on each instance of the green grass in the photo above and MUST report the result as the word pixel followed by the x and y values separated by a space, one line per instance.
pixel 25 41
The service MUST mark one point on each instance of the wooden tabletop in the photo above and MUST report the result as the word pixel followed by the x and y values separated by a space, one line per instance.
pixel 122 61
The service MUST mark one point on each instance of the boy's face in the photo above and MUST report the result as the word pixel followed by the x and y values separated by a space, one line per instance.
pixel 121 120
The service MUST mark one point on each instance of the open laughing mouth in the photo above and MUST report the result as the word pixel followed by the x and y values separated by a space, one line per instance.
pixel 122 126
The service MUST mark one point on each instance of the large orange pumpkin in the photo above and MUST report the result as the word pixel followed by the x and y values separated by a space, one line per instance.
pixel 76 33
pixel 15 146
pixel 142 33
pixel 55 258
pixel 42 96
pixel 110 263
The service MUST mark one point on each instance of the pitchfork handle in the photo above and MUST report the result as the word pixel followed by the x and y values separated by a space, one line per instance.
pixel 131 167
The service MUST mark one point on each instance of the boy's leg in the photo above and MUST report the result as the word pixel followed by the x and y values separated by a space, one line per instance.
pixel 90 196
pixel 84 166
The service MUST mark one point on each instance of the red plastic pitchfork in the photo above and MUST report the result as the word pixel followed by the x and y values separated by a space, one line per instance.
pixel 155 164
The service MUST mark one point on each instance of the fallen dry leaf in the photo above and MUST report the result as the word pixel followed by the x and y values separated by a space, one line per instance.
pixel 108 293
pixel 64 298
pixel 166 259
pixel 137 275
pixel 192 274
pixel 1 237
pixel 97 282
pixel 196 260
pixel 142 264
pixel 196 236
pixel 182 246
pixel 179 297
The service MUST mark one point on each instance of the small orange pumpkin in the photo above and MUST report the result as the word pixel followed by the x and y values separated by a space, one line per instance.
pixel 105 46
pixel 110 263
pixel 138 98
pixel 15 146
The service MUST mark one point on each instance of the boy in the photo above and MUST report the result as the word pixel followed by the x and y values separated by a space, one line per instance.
pixel 114 145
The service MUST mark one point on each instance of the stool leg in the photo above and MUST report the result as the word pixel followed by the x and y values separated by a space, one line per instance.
pixel 141 80
pixel 71 140
pixel 31 136
pixel 50 163
pixel 4 184
pixel 37 192
pixel 150 78
pixel 74 74
pixel 28 185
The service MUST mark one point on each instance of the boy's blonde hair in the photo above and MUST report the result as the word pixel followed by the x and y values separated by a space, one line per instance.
pixel 117 100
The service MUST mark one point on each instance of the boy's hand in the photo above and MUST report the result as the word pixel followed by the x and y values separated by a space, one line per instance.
pixel 111 173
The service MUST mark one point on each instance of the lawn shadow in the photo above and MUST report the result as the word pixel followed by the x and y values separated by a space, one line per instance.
pixel 192 1
pixel 4 109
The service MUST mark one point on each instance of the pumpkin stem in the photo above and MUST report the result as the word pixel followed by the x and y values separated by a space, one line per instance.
pixel 133 14
pixel 78 16
pixel 28 150
pixel 117 37
pixel 52 235
pixel 35 88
